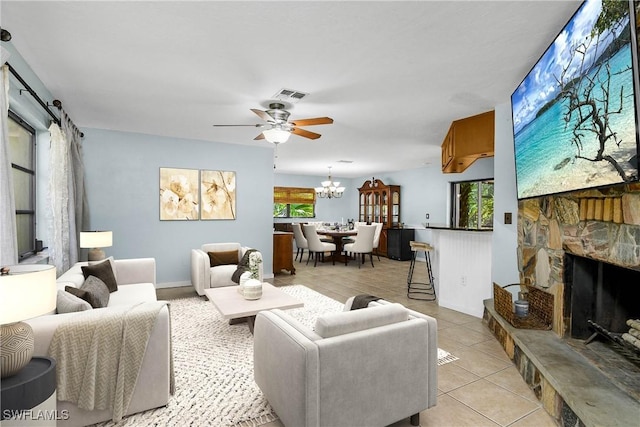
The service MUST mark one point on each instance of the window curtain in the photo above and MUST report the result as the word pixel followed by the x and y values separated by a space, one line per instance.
pixel 67 199
pixel 8 230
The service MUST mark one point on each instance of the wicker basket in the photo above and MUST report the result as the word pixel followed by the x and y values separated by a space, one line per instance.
pixel 540 307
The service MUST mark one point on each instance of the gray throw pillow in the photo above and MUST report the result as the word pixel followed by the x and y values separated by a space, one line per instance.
pixel 66 302
pixel 93 290
pixel 103 271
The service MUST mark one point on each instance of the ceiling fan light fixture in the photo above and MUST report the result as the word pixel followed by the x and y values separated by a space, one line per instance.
pixel 276 136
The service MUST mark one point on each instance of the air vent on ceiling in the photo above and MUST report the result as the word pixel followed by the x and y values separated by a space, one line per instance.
pixel 290 95
pixel 345 161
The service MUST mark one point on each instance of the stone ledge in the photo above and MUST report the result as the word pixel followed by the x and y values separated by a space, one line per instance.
pixel 588 392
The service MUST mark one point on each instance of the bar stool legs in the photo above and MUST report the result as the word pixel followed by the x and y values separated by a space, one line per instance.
pixel 420 290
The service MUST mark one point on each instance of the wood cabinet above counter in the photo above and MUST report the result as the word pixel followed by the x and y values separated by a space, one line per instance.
pixel 468 139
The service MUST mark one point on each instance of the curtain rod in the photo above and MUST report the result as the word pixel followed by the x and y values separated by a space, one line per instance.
pixel 45 106
pixel 35 95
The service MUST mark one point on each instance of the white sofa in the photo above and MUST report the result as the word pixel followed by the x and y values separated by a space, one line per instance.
pixel 136 283
pixel 367 367
pixel 203 276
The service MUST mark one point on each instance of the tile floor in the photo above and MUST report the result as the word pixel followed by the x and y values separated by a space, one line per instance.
pixel 482 388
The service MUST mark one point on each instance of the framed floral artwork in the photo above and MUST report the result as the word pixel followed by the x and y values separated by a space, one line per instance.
pixel 179 199
pixel 218 194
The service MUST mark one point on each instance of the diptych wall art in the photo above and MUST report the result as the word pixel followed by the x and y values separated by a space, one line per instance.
pixel 218 195
pixel 191 194
pixel 179 194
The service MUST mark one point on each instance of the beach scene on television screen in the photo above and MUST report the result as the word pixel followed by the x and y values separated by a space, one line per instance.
pixel 574 114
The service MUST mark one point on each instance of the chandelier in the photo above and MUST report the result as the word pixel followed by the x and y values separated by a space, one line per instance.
pixel 329 189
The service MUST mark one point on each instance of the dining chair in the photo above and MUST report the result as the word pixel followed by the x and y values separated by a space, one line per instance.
pixel 317 247
pixel 301 241
pixel 352 239
pixel 363 244
pixel 376 238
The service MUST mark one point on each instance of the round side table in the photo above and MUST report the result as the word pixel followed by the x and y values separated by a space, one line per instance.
pixel 32 391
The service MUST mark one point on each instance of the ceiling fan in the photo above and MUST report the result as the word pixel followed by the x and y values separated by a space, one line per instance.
pixel 279 128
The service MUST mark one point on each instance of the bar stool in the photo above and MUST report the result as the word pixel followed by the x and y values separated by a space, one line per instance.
pixel 420 290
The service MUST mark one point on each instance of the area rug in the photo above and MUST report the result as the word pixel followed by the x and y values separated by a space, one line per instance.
pixel 214 366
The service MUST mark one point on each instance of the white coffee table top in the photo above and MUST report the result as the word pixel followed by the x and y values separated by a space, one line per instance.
pixel 232 305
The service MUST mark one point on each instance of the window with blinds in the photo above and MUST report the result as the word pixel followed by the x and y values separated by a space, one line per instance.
pixel 294 202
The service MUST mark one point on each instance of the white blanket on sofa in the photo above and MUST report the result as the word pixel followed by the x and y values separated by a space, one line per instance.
pixel 99 354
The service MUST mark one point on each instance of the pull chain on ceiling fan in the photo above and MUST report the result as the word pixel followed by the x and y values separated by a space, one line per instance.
pixel 279 128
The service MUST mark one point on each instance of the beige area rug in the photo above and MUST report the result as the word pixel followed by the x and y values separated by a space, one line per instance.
pixel 214 366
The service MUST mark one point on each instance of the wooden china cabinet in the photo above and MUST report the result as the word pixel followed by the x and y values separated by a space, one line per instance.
pixel 379 202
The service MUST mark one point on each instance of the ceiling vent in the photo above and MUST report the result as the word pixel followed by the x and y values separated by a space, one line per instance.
pixel 290 95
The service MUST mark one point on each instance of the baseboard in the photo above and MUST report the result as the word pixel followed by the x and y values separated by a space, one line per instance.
pixel 172 285
pixel 184 284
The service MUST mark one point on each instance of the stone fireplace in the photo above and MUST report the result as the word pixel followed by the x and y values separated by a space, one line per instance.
pixel 603 225
pixel 584 248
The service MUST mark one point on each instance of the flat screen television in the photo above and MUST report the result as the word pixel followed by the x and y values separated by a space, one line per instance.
pixel 575 120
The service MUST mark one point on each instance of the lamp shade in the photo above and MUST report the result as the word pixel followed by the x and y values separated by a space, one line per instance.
pixel 277 136
pixel 27 291
pixel 96 239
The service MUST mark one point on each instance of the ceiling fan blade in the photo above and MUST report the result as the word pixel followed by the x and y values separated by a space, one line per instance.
pixel 305 133
pixel 263 115
pixel 259 125
pixel 314 121
pixel 260 136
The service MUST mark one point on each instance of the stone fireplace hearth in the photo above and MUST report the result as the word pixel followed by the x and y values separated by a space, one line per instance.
pixel 600 225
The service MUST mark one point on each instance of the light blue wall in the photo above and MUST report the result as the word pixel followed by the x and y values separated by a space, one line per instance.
pixel 427 190
pixel 122 180
pixel 505 236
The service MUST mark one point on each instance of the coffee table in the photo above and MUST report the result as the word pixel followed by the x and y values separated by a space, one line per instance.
pixel 231 305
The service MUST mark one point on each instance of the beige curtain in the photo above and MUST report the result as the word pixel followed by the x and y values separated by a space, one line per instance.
pixel 67 199
pixel 8 230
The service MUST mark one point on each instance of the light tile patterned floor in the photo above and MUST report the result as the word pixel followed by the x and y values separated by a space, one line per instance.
pixel 482 388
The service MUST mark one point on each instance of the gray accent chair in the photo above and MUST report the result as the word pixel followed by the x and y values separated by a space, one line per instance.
pixel 368 367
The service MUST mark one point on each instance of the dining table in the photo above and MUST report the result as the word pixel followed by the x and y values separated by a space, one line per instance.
pixel 336 236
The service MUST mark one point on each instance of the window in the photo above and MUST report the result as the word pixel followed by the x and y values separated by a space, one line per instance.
pixel 472 204
pixel 293 202
pixel 22 151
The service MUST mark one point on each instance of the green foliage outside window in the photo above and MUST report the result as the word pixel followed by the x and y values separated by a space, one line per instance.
pixel 473 204
pixel 293 210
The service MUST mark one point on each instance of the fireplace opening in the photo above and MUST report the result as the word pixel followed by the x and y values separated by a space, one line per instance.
pixel 603 293
pixel 607 295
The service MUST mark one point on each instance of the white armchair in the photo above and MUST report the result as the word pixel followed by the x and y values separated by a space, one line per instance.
pixel 204 275
pixel 369 367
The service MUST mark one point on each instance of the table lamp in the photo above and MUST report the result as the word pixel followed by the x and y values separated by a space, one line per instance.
pixel 95 240
pixel 26 291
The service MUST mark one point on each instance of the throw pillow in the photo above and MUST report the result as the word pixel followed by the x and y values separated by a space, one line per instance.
pixel 243 265
pixel 223 258
pixel 104 272
pixel 93 290
pixel 66 302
